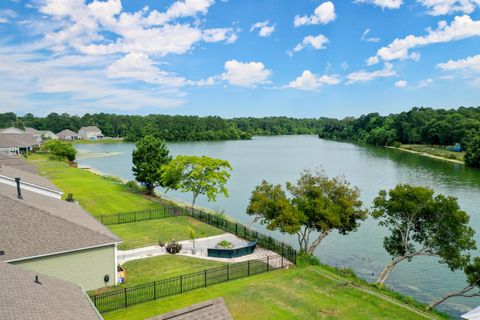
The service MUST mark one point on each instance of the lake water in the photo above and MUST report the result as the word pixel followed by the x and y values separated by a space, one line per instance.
pixel 280 159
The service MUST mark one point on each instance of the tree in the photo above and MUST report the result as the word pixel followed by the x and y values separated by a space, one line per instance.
pixel 315 204
pixel 60 150
pixel 472 271
pixel 422 225
pixel 472 155
pixel 149 157
pixel 198 175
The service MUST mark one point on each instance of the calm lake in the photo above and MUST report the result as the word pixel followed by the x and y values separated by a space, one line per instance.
pixel 281 159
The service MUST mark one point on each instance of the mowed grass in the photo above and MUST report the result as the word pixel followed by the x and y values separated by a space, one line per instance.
pixel 298 293
pixel 434 151
pixel 145 233
pixel 98 195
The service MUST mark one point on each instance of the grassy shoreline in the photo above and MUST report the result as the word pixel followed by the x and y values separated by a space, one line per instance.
pixel 432 152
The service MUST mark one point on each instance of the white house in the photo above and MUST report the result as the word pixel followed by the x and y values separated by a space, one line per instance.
pixel 67 134
pixel 14 143
pixel 90 133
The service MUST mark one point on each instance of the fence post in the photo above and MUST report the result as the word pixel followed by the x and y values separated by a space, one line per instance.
pixel 181 284
pixel 283 249
pixel 244 232
pixel 248 268
pixel 154 290
pixel 268 263
pixel 236 229
pixel 228 273
pixel 95 300
pixel 205 278
pixel 295 256
pixel 135 216
pixel 125 293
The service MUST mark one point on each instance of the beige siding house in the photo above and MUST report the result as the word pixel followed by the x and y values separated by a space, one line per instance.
pixel 57 238
pixel 67 134
pixel 90 133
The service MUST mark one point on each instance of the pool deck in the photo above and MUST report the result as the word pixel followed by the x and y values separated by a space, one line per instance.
pixel 201 245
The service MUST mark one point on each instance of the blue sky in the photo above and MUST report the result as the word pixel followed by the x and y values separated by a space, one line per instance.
pixel 303 58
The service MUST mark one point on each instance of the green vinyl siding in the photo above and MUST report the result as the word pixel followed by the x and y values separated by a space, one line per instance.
pixel 85 267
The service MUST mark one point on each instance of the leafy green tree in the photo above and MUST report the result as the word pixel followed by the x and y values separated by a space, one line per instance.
pixel 472 155
pixel 198 175
pixel 149 157
pixel 316 204
pixel 60 150
pixel 422 225
pixel 472 272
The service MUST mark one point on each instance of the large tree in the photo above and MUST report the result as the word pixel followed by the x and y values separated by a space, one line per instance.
pixel 472 272
pixel 316 205
pixel 472 156
pixel 422 224
pixel 198 175
pixel 149 156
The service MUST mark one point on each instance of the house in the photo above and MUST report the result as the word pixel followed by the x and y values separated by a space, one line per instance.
pixel 12 130
pixel 29 181
pixel 42 134
pixel 67 134
pixel 14 143
pixel 90 133
pixel 56 238
pixel 27 295
pixel 14 161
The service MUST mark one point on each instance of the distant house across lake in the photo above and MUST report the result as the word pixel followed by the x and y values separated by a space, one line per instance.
pixel 68 134
pixel 90 133
pixel 41 134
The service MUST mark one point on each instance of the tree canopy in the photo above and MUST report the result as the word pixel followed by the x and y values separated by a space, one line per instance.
pixel 149 157
pixel 60 150
pixel 198 175
pixel 422 224
pixel 316 205
pixel 472 155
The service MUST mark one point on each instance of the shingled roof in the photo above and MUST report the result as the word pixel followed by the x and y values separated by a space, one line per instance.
pixel 38 226
pixel 16 162
pixel 15 140
pixel 54 299
pixel 27 177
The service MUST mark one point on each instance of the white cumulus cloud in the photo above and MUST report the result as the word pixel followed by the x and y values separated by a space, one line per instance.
pixel 323 14
pixel 388 4
pixel 245 74
pixel 264 28
pixel 469 63
pixel 443 7
pixel 460 28
pixel 365 76
pixel 401 84
pixel 309 81
pixel 425 82
pixel 317 42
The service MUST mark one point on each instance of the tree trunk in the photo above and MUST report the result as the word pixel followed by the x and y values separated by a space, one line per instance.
pixel 461 293
pixel 388 269
pixel 193 202
pixel 317 242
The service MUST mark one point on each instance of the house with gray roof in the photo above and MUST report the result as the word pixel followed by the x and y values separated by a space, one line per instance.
pixel 90 133
pixel 29 181
pixel 14 143
pixel 27 295
pixel 67 134
pixel 41 134
pixel 56 238
pixel 12 130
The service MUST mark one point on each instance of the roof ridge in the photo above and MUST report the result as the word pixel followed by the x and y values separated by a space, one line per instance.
pixel 58 217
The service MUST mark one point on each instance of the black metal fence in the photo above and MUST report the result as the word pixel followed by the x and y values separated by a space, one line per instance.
pixel 240 230
pixel 125 297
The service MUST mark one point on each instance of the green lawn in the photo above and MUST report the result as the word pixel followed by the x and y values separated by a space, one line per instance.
pixel 436 151
pixel 145 233
pixel 298 293
pixel 96 194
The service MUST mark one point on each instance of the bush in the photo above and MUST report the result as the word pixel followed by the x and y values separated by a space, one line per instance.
pixel 60 150
pixel 304 259
pixel 173 247
pixel 225 244
pixel 134 187
pixel 396 144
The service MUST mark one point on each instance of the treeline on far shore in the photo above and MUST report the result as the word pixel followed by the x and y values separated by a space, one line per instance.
pixel 169 128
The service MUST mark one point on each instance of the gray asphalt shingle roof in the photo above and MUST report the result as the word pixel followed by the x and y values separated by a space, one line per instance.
pixel 14 161
pixel 39 225
pixel 14 140
pixel 54 299
pixel 67 132
pixel 214 309
pixel 27 177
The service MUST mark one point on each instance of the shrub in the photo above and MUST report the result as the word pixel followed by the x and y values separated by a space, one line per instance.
pixel 305 259
pixel 134 187
pixel 225 244
pixel 60 150
pixel 173 247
